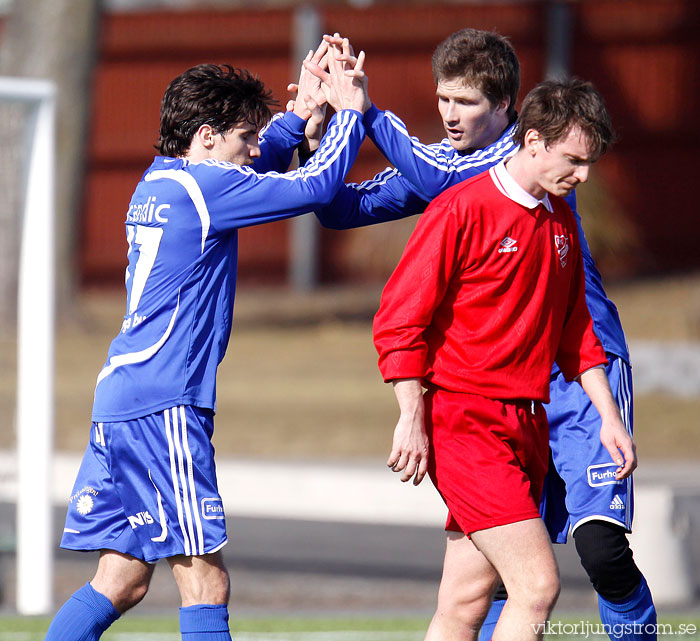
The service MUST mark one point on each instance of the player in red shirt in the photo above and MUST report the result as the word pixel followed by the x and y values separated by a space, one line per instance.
pixel 488 294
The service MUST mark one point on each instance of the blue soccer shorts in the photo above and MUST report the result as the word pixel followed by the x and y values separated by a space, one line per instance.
pixel 580 485
pixel 147 487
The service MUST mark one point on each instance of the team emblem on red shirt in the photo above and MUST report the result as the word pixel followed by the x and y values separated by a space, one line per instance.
pixel 561 244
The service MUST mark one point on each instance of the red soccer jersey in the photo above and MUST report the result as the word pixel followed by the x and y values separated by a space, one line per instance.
pixel 488 294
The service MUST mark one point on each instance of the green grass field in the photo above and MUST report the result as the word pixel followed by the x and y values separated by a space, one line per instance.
pixel 273 629
pixel 133 628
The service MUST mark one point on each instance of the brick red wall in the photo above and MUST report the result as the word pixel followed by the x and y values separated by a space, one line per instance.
pixel 644 56
pixel 641 53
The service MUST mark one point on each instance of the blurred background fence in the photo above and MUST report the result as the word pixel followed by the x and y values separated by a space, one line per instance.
pixel 642 54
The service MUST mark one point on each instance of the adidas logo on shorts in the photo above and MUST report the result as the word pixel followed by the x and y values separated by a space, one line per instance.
pixel 617 503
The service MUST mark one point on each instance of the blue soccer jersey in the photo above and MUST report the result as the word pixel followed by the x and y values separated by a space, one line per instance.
pixel 421 173
pixel 181 228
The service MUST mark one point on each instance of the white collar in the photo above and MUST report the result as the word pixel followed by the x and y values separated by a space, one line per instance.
pixel 510 188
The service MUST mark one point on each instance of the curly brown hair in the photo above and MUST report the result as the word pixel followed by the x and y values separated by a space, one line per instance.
pixel 217 95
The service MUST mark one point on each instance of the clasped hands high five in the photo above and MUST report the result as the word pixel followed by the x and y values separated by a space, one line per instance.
pixel 331 75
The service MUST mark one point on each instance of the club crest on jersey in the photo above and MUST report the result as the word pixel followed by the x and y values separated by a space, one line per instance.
pixel 602 474
pixel 212 509
pixel 561 244
pixel 508 245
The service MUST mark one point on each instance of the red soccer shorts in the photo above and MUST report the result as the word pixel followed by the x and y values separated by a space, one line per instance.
pixel 488 458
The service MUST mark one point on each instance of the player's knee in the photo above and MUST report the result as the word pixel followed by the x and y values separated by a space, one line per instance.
pixel 536 594
pixel 126 595
pixel 201 582
pixel 466 604
pixel 549 591
pixel 137 593
pixel 541 594
pixel 607 558
pixel 123 579
pixel 464 615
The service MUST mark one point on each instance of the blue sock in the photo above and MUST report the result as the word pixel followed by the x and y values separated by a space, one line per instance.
pixel 633 619
pixel 204 623
pixel 84 617
pixel 489 624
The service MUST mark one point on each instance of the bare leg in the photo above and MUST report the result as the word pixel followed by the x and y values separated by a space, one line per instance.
pixel 120 582
pixel 201 579
pixel 122 578
pixel 468 581
pixel 523 556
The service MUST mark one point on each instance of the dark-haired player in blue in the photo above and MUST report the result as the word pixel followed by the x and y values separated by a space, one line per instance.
pixel 477 77
pixel 147 485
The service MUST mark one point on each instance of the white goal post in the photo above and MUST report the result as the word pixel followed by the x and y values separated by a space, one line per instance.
pixel 35 345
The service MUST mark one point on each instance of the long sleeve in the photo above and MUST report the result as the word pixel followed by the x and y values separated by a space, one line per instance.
pixel 278 140
pixel 489 292
pixel 388 196
pixel 181 227
pixel 431 168
pixel 414 291
pixel 421 172
pixel 227 196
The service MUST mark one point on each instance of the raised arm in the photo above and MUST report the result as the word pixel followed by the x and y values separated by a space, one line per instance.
pixel 430 168
pixel 341 61
pixel 278 140
pixel 421 171
pixel 303 119
pixel 247 198
pixel 309 101
pixel 388 196
pixel 391 194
